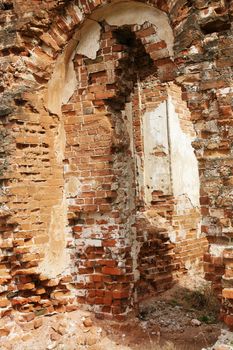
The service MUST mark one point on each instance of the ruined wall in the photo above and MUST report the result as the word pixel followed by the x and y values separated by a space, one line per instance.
pixel 205 62
pixel 99 179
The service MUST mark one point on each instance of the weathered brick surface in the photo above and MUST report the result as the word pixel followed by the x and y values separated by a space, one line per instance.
pixel 78 168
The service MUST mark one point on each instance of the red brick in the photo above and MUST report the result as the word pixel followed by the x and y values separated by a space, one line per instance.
pixel 112 271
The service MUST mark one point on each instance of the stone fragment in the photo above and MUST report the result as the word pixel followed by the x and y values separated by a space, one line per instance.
pixel 91 340
pixel 223 347
pixel 38 323
pixel 29 316
pixel 87 322
pixel 61 330
pixel 5 110
pixel 195 322
pixel 81 340
pixel 4 332
pixel 54 336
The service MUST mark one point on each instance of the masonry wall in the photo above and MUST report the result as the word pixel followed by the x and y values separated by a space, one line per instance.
pixel 93 209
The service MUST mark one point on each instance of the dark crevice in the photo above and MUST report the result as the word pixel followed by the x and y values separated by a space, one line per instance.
pixel 190 3
pixel 6 6
pixel 20 102
pixel 125 36
pixel 217 25
pixel 136 64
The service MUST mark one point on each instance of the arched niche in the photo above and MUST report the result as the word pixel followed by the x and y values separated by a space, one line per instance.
pixel 122 220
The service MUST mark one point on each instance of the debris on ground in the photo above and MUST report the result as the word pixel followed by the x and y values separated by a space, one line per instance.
pixel 183 318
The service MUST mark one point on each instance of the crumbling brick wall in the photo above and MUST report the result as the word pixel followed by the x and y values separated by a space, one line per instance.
pixel 80 221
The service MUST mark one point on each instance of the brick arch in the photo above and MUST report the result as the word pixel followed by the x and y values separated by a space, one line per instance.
pixel 59 33
pixel 63 69
pixel 73 14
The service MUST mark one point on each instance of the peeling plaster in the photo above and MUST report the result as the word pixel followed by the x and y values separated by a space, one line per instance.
pixel 183 204
pixel 156 168
pixel 129 125
pixel 170 164
pixel 72 187
pixel 217 249
pixel 135 245
pixel 56 259
pixel 63 82
pixel 89 42
pixel 184 165
pixel 60 143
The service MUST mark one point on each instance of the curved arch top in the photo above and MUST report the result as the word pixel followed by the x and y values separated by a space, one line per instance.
pixel 85 41
pixel 133 12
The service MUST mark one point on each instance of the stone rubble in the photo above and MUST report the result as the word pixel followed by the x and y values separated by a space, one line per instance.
pixel 224 342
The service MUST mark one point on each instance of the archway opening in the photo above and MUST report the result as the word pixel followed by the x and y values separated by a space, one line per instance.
pixel 128 136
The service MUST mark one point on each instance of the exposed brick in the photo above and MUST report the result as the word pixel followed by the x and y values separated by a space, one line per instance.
pixel 79 177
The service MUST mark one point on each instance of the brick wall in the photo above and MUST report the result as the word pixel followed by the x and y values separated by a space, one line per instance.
pixel 78 223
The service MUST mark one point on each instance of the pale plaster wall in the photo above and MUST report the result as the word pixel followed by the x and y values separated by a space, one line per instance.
pixel 184 165
pixel 135 246
pixel 63 82
pixel 56 260
pixel 157 175
pixel 170 164
pixel 73 187
pixel 89 39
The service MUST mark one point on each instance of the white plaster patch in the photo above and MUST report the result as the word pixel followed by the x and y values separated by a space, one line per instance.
pixel 193 49
pixel 63 82
pixel 184 165
pixel 60 143
pixel 172 236
pixel 90 242
pixel 68 19
pixel 183 204
pixel 129 124
pixel 225 91
pixel 217 249
pixel 56 259
pixel 156 152
pixel 182 234
pixel 188 265
pixel 89 42
pixel 73 187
